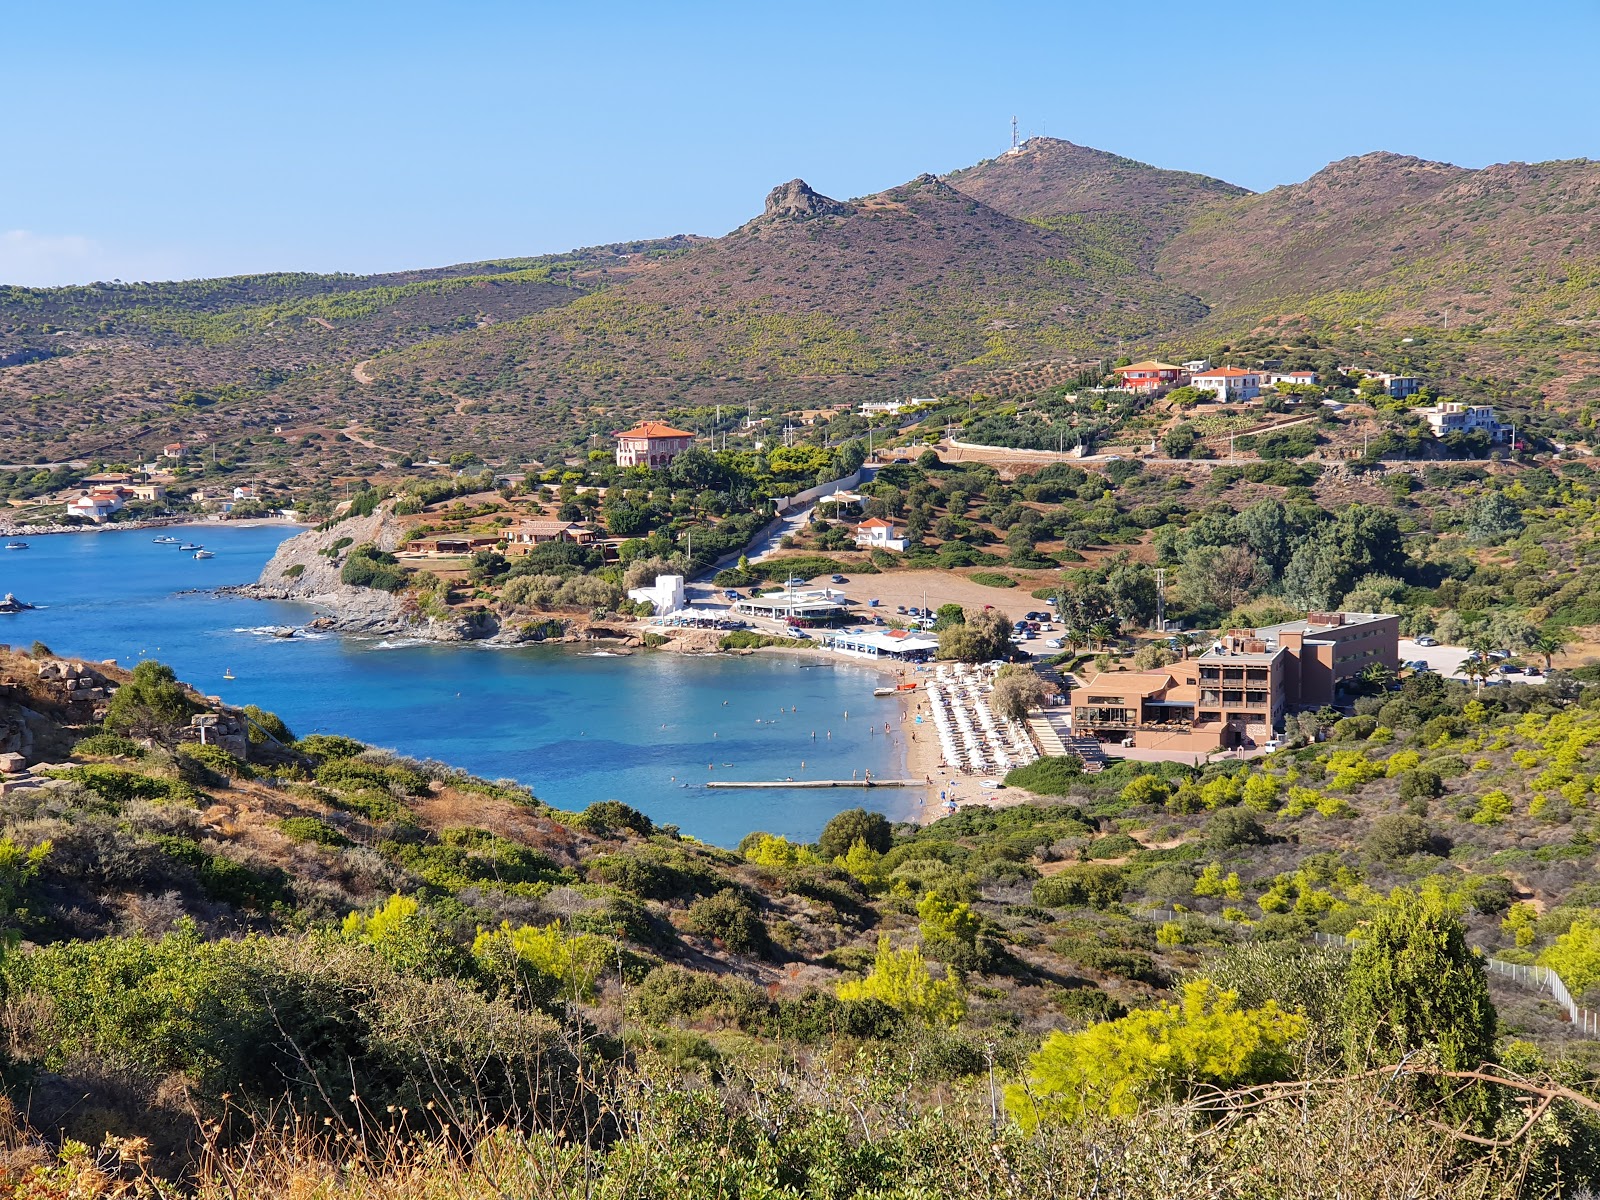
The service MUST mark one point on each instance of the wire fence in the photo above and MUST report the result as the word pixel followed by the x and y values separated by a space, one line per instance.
pixel 1585 1021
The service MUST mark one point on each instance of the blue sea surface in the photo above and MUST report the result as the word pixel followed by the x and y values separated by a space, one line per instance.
pixel 647 728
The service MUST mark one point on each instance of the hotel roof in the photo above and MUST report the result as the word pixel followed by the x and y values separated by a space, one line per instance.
pixel 652 429
pixel 1308 626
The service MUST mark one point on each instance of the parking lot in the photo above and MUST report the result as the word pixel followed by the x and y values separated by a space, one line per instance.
pixel 1447 660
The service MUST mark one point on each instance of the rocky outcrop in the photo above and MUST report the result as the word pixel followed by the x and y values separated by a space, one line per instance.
pixel 306 569
pixel 797 201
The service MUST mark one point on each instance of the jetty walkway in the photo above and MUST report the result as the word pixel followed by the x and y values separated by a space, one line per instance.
pixel 814 783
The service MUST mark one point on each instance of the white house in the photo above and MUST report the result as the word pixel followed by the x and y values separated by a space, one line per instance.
pixel 882 408
pixel 877 534
pixel 95 506
pixel 1450 417
pixel 1197 364
pixel 665 595
pixel 1229 383
pixel 1303 377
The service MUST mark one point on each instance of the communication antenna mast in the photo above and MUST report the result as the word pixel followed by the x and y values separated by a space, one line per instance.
pixel 1013 132
pixel 1161 599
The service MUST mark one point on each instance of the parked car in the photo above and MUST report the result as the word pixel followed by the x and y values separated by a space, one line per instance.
pixel 839 579
pixel 1510 669
pixel 1497 655
pixel 1425 640
pixel 899 608
pixel 878 621
pixel 1054 643
pixel 794 581
pixel 795 632
pixel 731 594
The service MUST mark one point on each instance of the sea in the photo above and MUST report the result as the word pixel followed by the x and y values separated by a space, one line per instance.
pixel 575 725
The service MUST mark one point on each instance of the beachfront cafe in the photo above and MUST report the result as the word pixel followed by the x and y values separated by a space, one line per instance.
pixel 900 644
pixel 803 608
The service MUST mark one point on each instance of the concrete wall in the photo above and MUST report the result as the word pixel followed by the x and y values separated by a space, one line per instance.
pixel 814 493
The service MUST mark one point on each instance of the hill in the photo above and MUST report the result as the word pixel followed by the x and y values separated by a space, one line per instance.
pixel 1400 241
pixel 1018 273
pixel 816 298
pixel 1128 208
pixel 400 954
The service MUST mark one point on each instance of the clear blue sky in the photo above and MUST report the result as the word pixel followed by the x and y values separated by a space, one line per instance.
pixel 171 140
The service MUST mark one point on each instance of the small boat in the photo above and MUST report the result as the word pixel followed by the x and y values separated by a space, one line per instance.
pixel 191 546
pixel 228 674
pixel 16 545
pixel 884 691
pixel 164 540
pixel 205 554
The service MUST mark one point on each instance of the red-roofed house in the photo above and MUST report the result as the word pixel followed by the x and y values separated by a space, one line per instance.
pixel 650 444
pixel 1151 376
pixel 877 534
pixel 1229 383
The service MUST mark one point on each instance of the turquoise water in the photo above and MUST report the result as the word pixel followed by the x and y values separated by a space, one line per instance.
pixel 573 726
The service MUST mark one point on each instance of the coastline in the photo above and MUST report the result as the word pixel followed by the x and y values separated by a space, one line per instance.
pixel 10 529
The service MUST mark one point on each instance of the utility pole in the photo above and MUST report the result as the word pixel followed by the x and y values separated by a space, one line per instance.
pixel 1161 599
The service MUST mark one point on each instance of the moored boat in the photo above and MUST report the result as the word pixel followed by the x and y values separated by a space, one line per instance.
pixel 205 554
pixel 191 546
pixel 16 545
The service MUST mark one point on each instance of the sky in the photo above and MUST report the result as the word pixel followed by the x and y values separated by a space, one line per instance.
pixel 166 140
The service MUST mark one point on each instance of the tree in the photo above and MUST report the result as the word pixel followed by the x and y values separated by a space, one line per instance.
pixel 983 636
pixel 1311 579
pixel 1117 1067
pixel 152 702
pixel 1492 517
pixel 1549 642
pixel 1575 956
pixel 948 615
pixel 1415 983
pixel 900 979
pixel 1221 577
pixel 1017 691
pixel 851 826
pixel 1179 441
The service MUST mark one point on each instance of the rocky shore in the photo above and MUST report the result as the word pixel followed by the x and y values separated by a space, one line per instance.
pixel 306 570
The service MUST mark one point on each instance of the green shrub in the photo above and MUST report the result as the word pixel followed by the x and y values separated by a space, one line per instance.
pixel 215 761
pixel 108 745
pixel 993 579
pixel 732 919
pixel 1087 885
pixel 310 829
pixel 264 724
pixel 1049 776
pixel 118 785
pixel 328 746
pixel 607 816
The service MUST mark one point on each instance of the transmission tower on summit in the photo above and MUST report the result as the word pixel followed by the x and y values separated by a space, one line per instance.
pixel 1016 143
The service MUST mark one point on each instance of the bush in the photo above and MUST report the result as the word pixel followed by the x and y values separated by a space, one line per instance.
pixel 151 703
pixel 729 917
pixel 264 724
pixel 1050 776
pixel 1230 827
pixel 310 829
pixel 993 579
pixel 607 816
pixel 118 785
pixel 1083 886
pixel 108 745
pixel 1396 836
pixel 327 746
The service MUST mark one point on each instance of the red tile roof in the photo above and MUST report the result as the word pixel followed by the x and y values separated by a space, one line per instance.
pixel 1149 364
pixel 652 429
pixel 1229 372
pixel 875 523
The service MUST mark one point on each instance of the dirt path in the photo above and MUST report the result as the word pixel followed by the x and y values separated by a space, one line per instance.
pixel 349 431
pixel 361 373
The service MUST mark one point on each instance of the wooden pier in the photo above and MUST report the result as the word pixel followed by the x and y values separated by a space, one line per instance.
pixel 814 783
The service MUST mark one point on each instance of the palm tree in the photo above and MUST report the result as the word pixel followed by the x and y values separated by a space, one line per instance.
pixel 1549 643
pixel 1185 643
pixel 1477 667
pixel 1100 632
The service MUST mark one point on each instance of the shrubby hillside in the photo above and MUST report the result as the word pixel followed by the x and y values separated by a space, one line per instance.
pixel 235 971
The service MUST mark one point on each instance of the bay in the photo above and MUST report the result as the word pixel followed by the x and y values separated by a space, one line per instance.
pixel 647 728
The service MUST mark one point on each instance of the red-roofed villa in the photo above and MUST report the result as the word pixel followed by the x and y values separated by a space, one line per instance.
pixel 650 444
